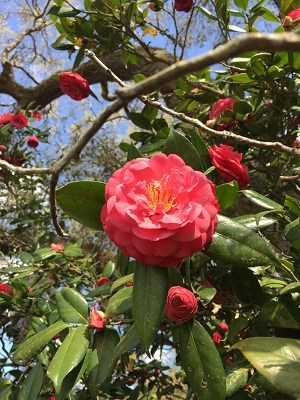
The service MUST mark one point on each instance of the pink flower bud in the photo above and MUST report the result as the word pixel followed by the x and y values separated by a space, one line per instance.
pixel 57 246
pixel 223 327
pixel 216 337
pixel 181 304
pixel 101 281
pixel 97 319
pixel 74 85
pixel 32 141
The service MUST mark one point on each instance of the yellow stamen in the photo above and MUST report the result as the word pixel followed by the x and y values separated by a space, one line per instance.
pixel 158 194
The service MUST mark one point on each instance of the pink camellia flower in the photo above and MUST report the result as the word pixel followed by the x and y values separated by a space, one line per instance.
pixel 228 163
pixel 5 288
pixel 97 319
pixel 19 120
pixel 290 18
pixel 216 337
pixel 74 85
pixel 220 106
pixel 57 246
pixel 223 327
pixel 159 210
pixel 181 304
pixel 32 141
pixel 101 281
pixel 183 5
pixel 2 148
pixel 5 118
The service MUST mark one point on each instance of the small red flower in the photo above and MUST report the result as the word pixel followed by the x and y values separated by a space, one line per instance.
pixel 32 141
pixel 220 106
pixel 5 118
pixel 183 5
pixel 290 17
pixel 52 397
pixel 2 148
pixel 196 90
pixel 19 120
pixel 223 327
pixel 74 85
pixel 101 281
pixel 57 246
pixel 296 143
pixel 216 337
pixel 97 319
pixel 5 288
pixel 228 164
pixel 181 304
pixel 37 115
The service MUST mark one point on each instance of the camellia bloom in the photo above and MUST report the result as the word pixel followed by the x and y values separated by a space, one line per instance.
pixel 181 304
pixel 19 120
pixel 52 397
pixel 228 163
pixel 74 85
pixel 5 118
pixel 5 288
pixel 57 246
pixel 97 319
pixel 183 5
pixel 159 210
pixel 220 106
pixel 37 115
pixel 2 148
pixel 101 281
pixel 32 141
pixel 290 17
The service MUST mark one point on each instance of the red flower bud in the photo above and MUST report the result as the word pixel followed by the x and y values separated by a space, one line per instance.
pixel 57 246
pixel 290 17
pixel 216 337
pixel 5 288
pixel 74 85
pixel 181 304
pixel 101 281
pixel 97 319
pixel 2 148
pixel 296 143
pixel 32 141
pixel 183 5
pixel 223 327
pixel 37 115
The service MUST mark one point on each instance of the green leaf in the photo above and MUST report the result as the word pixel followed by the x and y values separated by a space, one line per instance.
pixel 43 254
pixel 178 144
pixel 291 288
pixel 120 302
pixel 133 153
pixel 72 306
pixel 36 343
pixel 227 194
pixel 121 282
pixel 246 286
pixel 242 107
pixel 26 258
pixel 73 250
pixel 68 356
pixel 253 223
pixel 128 342
pixel 242 78
pixel 32 384
pixel 141 121
pixel 207 13
pixel 149 297
pixel 102 362
pixel 278 315
pixel 292 230
pixel 63 11
pixel 236 378
pixel 261 200
pixel 201 362
pixel 83 201
pixel 243 4
pixel 234 244
pixel 206 294
pixel 102 290
pixel 277 359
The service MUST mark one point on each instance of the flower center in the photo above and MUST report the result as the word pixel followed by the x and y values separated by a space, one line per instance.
pixel 159 196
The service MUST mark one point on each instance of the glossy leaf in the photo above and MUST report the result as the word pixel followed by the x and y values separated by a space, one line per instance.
pixel 277 359
pixel 128 342
pixel 255 224
pixel 32 384
pixel 234 244
pixel 261 200
pixel 278 315
pixel 291 288
pixel 102 362
pixel 133 152
pixel 120 302
pixel 68 356
pixel 246 286
pixel 227 194
pixel 201 362
pixel 149 296
pixel 36 343
pixel 121 282
pixel 83 201
pixel 178 144
pixel 236 378
pixel 72 306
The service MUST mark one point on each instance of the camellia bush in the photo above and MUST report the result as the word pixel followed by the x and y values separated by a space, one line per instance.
pixel 199 298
